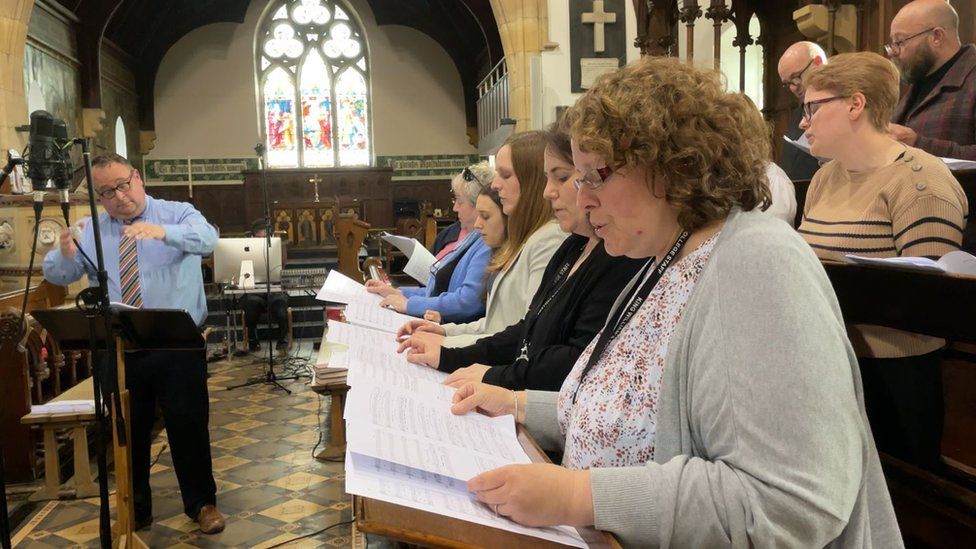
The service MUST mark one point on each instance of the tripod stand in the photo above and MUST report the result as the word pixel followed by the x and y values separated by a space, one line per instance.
pixel 269 374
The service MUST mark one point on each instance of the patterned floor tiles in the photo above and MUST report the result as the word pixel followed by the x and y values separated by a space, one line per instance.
pixel 270 488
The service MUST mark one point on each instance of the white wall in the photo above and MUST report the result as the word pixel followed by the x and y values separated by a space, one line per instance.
pixel 729 55
pixel 206 95
pixel 552 84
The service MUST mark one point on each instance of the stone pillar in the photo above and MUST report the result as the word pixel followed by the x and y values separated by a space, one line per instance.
pixel 14 17
pixel 523 26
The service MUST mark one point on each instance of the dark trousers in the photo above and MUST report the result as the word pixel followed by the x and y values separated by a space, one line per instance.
pixel 178 381
pixel 255 304
pixel 904 402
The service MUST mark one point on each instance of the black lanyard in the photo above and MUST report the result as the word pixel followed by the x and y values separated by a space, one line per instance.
pixel 532 317
pixel 621 315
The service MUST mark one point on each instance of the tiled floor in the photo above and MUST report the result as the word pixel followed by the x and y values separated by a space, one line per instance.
pixel 269 487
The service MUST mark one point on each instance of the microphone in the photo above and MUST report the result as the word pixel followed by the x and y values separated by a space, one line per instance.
pixel 13 160
pixel 47 160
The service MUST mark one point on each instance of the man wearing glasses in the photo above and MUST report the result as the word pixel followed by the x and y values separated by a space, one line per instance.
pixel 938 113
pixel 152 254
pixel 797 59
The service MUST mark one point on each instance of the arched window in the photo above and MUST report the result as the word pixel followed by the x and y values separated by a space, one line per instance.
pixel 121 143
pixel 313 78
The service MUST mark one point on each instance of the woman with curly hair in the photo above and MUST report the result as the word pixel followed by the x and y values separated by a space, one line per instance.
pixel 721 403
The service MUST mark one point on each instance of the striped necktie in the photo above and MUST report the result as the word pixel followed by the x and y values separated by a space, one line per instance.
pixel 129 271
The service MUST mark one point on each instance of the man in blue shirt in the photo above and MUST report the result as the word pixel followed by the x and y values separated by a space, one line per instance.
pixel 152 252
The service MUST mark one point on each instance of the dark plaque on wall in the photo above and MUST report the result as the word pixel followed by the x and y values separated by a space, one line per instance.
pixel 597 40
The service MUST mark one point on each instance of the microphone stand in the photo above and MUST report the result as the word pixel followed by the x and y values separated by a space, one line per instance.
pixel 104 377
pixel 269 375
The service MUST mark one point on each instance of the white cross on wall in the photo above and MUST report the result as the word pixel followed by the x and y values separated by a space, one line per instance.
pixel 599 18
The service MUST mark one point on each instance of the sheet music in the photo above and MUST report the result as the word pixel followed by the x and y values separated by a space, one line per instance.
pixel 417 489
pixel 339 288
pixel 390 421
pixel 371 315
pixel 419 260
pixel 353 336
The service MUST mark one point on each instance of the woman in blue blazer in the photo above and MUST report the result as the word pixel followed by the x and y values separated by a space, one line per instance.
pixel 456 285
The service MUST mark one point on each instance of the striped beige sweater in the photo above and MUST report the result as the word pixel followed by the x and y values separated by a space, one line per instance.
pixel 911 207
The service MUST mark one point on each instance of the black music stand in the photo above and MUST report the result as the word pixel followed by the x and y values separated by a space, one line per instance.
pixel 133 330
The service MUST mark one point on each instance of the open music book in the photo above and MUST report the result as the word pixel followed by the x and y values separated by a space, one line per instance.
pixel 362 307
pixel 957 262
pixel 405 446
pixel 954 164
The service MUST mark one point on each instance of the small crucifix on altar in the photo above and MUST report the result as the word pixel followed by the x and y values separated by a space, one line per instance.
pixel 315 180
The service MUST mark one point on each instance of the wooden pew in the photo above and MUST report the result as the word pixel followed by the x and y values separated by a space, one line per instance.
pixel 350 234
pixel 15 375
pixel 933 509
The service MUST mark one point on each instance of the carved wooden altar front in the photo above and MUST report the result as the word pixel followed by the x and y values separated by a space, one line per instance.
pixel 305 203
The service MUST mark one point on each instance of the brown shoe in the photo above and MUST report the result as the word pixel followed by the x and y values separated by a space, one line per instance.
pixel 210 520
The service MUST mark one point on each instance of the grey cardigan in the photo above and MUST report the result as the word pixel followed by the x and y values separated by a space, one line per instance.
pixel 762 438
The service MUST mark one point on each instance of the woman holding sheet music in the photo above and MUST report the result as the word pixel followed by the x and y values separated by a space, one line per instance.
pixel 580 284
pixel 517 267
pixel 881 198
pixel 456 285
pixel 720 405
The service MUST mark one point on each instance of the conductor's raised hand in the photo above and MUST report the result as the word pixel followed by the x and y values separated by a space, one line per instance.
pixel 419 325
pixel 141 230
pixel 421 350
pixel 68 248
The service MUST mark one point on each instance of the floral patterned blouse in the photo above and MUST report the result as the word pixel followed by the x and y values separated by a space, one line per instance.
pixel 614 420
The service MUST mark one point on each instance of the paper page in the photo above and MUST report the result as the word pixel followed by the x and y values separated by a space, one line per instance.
pixel 914 263
pixel 64 407
pixel 956 164
pixel 419 259
pixel 378 407
pixel 353 335
pixel 415 379
pixel 377 479
pixel 804 145
pixel 371 315
pixel 958 262
pixel 339 288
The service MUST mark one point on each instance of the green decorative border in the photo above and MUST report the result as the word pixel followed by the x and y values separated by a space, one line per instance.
pixel 173 171
pixel 426 166
pixel 205 170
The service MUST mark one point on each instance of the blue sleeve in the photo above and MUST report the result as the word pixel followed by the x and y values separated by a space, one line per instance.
pixel 411 291
pixel 62 271
pixel 465 302
pixel 191 233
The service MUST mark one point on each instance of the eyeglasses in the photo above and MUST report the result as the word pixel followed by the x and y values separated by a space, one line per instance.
pixel 124 186
pixel 810 108
pixel 894 47
pixel 797 78
pixel 594 179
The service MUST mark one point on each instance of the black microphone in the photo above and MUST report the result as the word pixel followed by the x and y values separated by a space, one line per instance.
pixel 63 170
pixel 13 160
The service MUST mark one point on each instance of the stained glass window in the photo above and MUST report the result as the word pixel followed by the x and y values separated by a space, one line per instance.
pixel 312 56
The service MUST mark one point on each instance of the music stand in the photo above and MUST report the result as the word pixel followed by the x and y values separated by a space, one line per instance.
pixel 133 330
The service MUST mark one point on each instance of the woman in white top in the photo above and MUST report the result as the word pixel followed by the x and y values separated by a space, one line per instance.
pixel 517 267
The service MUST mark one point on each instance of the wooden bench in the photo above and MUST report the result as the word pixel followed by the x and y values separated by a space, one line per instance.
pixel 81 484
pixel 332 382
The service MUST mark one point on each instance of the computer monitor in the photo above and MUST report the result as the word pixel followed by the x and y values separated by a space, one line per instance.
pixel 230 252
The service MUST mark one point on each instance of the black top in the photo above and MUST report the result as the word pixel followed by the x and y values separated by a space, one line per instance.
pixel 569 320
pixel 925 86
pixel 797 164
